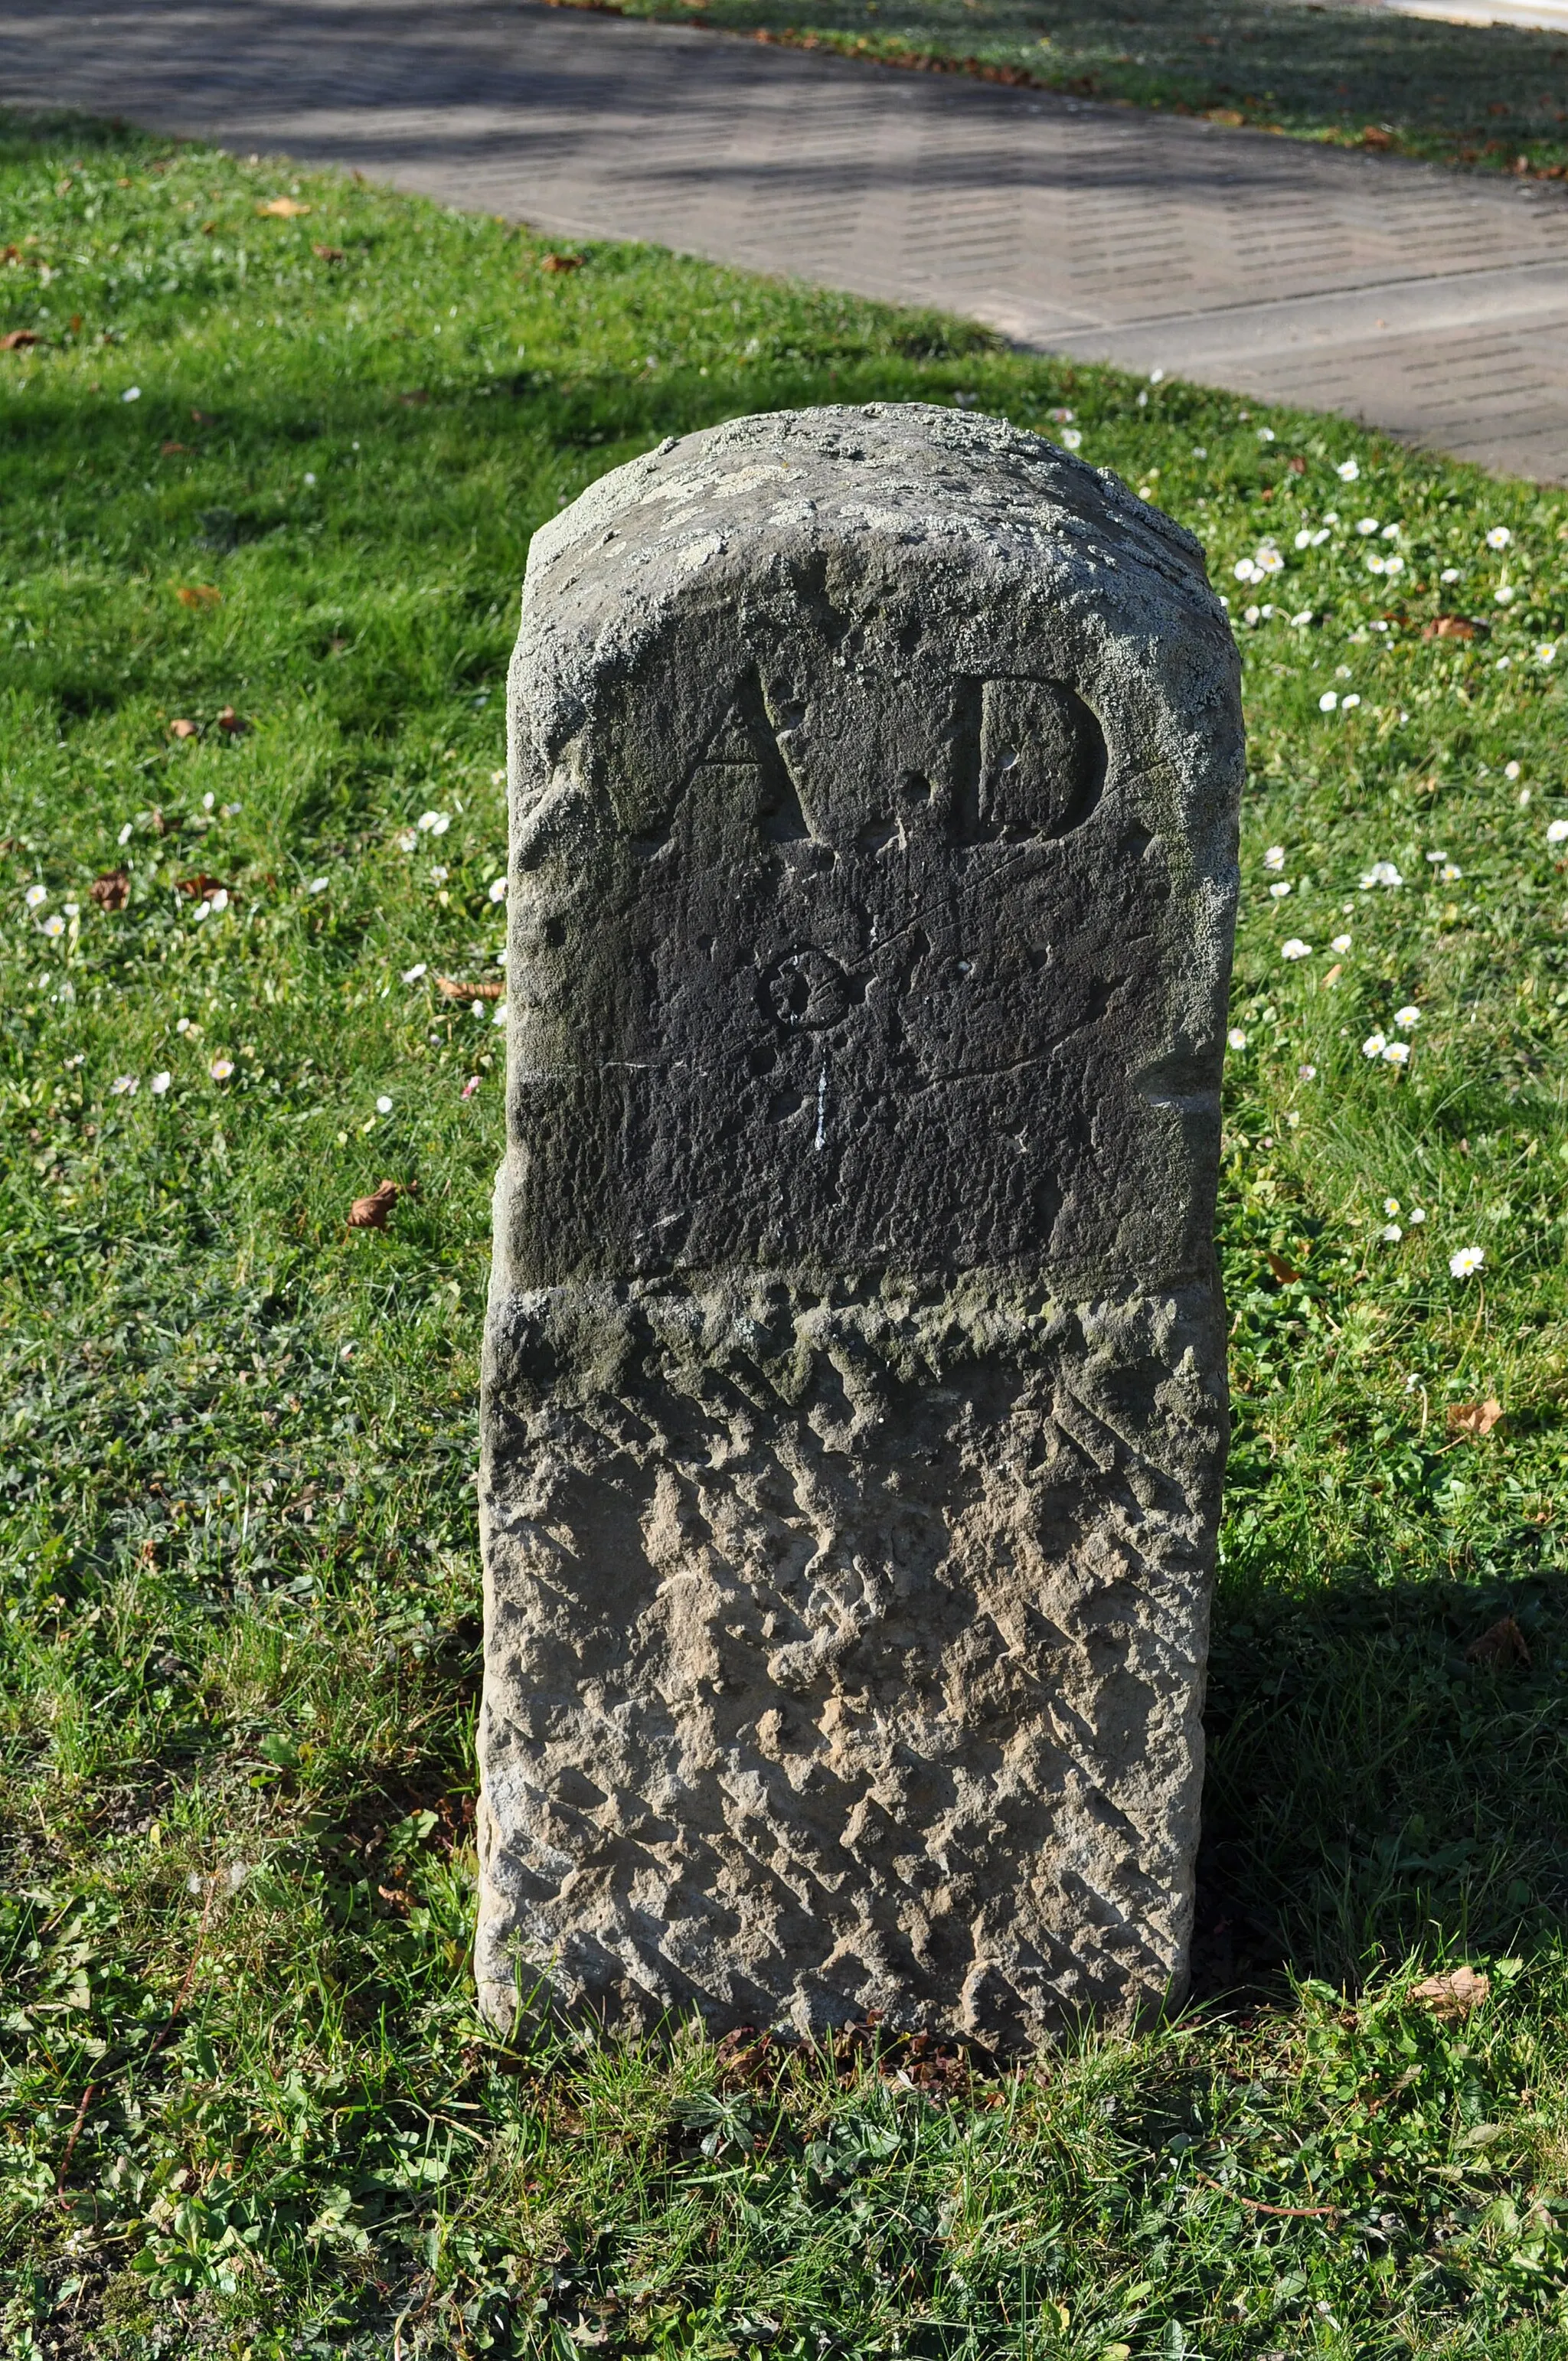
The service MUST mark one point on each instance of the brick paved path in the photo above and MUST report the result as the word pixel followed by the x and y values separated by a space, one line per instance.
pixel 1420 301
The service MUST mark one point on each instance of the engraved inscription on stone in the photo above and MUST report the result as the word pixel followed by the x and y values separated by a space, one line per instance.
pixel 854 1405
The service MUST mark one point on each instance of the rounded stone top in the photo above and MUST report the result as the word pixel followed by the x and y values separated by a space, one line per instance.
pixel 984 503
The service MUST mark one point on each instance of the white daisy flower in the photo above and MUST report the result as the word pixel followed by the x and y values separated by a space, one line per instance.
pixel 1340 944
pixel 1375 1045
pixel 1276 892
pixel 1391 1234
pixel 1390 1204
pixel 1498 537
pixel 1275 857
pixel 1295 949
pixel 220 1069
pixel 499 889
pixel 383 1107
pixel 35 896
pixel 1397 1053
pixel 54 926
pixel 1467 1260
pixel 1236 1037
pixel 1407 1017
pixel 1348 471
pixel 1418 1214
pixel 123 1084
pixel 434 823
pixel 1557 833
pixel 1366 524
pixel 1329 699
pixel 412 975
pixel 161 1083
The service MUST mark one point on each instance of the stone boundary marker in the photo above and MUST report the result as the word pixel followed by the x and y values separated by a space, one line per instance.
pixel 854 1403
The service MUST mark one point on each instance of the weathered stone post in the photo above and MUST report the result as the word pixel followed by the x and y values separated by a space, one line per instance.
pixel 854 1394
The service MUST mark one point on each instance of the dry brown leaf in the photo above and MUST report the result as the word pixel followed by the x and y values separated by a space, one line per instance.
pixel 1453 627
pixel 1284 1272
pixel 169 450
pixel 1375 136
pixel 328 253
pixel 1500 1643
pixel 1455 1994
pixel 183 729
pixel 199 594
pixel 195 887
pixel 1333 975
pixel 563 261
pixel 1297 465
pixel 282 208
pixel 229 719
pixel 370 1212
pixel 452 988
pixel 1229 115
pixel 112 890
pixel 1475 1418
pixel 16 338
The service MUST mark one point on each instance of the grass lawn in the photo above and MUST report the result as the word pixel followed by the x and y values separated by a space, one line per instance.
pixel 272 473
pixel 1477 95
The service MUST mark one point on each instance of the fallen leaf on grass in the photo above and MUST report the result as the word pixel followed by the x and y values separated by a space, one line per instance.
pixel 1297 465
pixel 16 338
pixel 229 719
pixel 370 1212
pixel 329 253
pixel 1501 1643
pixel 563 262
pixel 183 729
pixel 112 890
pixel 282 208
pixel 199 594
pixel 1456 1994
pixel 1229 115
pixel 1453 627
pixel 1475 1418
pixel 199 887
pixel 171 450
pixel 1284 1272
pixel 1375 136
pixel 450 988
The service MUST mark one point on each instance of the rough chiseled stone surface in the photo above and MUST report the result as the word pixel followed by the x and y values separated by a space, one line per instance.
pixel 854 1397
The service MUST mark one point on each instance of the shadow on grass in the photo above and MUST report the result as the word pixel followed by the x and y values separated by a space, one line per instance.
pixel 1371 1789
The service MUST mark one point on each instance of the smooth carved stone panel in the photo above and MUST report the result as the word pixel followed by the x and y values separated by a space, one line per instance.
pixel 855 1387
pixel 848 846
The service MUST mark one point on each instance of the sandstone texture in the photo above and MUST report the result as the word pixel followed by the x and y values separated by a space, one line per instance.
pixel 854 1406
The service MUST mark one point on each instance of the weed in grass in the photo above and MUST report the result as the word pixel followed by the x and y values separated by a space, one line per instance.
pixel 251 842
